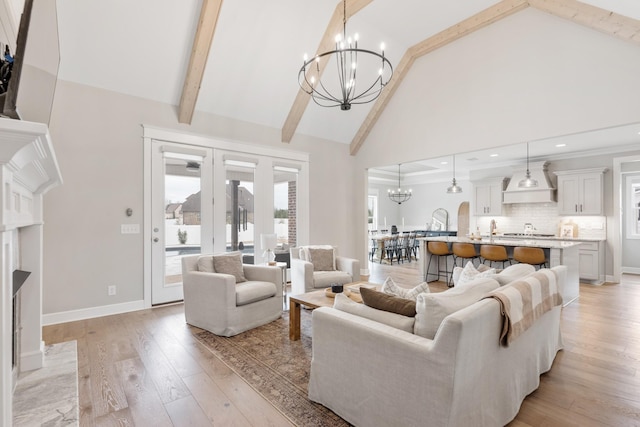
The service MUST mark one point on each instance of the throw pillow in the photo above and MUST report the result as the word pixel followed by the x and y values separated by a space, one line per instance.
pixel 322 259
pixel 346 304
pixel 230 263
pixel 469 274
pixel 205 263
pixel 457 271
pixel 514 272
pixel 391 288
pixel 431 309
pixel 390 303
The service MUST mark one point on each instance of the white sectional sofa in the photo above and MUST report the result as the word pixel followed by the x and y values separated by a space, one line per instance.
pixel 373 374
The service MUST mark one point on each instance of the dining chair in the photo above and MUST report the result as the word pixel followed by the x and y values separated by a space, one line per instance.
pixel 391 248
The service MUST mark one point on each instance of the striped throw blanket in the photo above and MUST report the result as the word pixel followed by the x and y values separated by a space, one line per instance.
pixel 524 301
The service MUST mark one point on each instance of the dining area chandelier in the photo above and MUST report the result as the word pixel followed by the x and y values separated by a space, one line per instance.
pixel 359 77
pixel 399 196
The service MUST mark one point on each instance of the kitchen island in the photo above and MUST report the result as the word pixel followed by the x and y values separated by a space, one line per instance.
pixel 558 252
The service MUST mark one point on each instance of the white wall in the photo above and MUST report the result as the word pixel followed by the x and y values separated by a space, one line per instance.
pixel 526 77
pixel 417 211
pixel 97 136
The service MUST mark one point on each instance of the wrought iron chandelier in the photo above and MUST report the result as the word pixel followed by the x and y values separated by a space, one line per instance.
pixel 400 195
pixel 343 89
pixel 528 182
pixel 454 188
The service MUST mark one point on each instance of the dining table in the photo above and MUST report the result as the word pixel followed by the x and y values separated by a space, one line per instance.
pixel 381 254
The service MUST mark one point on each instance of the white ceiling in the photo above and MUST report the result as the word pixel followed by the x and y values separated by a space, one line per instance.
pixel 142 48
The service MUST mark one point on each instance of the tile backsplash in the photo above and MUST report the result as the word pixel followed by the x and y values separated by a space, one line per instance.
pixel 544 218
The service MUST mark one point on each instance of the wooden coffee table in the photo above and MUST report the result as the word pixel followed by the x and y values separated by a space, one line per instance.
pixel 310 300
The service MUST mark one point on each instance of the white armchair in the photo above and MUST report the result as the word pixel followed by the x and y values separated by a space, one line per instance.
pixel 304 278
pixel 215 302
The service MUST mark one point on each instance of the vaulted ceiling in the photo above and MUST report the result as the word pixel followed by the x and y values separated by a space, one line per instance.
pixel 240 58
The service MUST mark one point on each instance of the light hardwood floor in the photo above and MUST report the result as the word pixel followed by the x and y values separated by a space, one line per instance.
pixel 146 368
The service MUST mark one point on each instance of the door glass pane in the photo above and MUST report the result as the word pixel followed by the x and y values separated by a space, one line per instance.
pixel 182 215
pixel 285 200
pixel 240 208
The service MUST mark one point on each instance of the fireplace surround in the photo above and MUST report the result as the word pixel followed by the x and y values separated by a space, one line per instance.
pixel 28 169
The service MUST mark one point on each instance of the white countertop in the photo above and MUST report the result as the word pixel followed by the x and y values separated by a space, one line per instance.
pixel 515 241
pixel 567 239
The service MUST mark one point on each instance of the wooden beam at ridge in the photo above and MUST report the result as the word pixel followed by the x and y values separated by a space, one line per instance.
pixel 602 20
pixel 198 61
pixel 326 43
pixel 482 19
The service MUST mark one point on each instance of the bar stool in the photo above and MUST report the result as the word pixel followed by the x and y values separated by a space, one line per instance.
pixel 464 251
pixel 437 250
pixel 533 256
pixel 494 253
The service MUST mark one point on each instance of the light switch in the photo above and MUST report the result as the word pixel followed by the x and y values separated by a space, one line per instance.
pixel 130 228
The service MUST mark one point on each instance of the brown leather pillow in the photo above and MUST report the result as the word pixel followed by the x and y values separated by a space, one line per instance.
pixel 390 303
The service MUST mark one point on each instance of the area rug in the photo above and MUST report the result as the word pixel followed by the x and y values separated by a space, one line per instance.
pixel 275 367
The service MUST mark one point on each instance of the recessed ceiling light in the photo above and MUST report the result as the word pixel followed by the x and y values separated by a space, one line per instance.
pixel 561 145
pixel 443 163
pixel 493 155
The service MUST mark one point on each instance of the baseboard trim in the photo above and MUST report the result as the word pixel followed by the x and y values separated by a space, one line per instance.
pixel 364 271
pixel 631 270
pixel 90 313
pixel 33 359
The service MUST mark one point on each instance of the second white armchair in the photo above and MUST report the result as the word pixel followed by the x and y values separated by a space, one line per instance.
pixel 317 267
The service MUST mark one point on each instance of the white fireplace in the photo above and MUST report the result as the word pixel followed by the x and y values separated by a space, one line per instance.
pixel 28 169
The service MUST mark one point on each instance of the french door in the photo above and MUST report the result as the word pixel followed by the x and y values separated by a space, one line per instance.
pixel 182 213
pixel 209 196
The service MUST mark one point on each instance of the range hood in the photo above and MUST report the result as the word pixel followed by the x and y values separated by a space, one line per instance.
pixel 545 192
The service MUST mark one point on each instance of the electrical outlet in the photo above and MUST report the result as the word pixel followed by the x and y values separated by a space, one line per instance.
pixel 111 290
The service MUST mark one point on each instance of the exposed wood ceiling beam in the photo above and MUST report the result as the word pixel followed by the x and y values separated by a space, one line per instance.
pixel 198 61
pixel 461 29
pixel 593 17
pixel 326 43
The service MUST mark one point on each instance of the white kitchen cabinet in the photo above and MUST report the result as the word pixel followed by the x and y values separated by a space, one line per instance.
pixel 580 192
pixel 487 196
pixel 591 262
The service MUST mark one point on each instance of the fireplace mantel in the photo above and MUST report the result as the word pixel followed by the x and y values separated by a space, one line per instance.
pixel 28 169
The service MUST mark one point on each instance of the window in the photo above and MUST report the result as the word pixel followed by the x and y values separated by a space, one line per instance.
pixel 240 212
pixel 372 213
pixel 285 202
pixel 632 206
